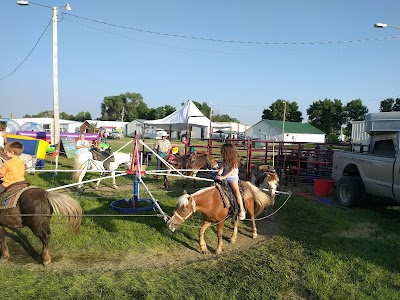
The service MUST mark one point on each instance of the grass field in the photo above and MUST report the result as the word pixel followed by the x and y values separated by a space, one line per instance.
pixel 311 250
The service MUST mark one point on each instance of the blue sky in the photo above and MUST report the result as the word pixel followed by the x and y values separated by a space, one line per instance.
pixel 279 53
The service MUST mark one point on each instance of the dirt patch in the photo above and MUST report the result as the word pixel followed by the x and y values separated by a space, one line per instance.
pixel 157 258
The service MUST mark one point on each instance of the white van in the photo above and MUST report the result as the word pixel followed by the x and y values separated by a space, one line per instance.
pixel 160 134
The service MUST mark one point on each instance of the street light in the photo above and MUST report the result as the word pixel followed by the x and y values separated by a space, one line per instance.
pixel 55 137
pixel 383 25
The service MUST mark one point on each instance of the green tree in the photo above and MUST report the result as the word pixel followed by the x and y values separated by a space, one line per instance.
pixel 129 105
pixel 66 116
pixel 160 112
pixel 82 116
pixel 386 105
pixel 396 105
pixel 224 118
pixel 42 114
pixel 353 111
pixel 326 115
pixel 276 109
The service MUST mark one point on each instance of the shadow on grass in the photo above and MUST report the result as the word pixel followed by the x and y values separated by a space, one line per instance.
pixel 20 238
pixel 369 233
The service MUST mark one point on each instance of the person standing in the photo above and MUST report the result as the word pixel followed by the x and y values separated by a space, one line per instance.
pixel 13 170
pixel 230 171
pixel 163 148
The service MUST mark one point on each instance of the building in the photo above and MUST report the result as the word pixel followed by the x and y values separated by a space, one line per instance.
pixel 104 126
pixel 46 123
pixel 287 131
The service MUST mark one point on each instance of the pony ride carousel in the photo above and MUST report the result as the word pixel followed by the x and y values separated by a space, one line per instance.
pixel 136 204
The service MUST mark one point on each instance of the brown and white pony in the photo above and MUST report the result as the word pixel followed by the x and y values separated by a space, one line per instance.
pixel 208 201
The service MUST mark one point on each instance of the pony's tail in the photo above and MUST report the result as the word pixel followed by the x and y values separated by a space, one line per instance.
pixel 77 166
pixel 67 207
pixel 262 199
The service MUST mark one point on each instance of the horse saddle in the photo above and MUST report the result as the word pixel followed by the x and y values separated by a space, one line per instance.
pixel 183 161
pixel 9 198
pixel 102 155
pixel 229 197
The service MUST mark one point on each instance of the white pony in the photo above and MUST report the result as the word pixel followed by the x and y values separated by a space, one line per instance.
pixel 85 162
pixel 29 162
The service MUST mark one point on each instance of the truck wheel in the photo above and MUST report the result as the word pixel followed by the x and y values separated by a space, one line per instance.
pixel 348 190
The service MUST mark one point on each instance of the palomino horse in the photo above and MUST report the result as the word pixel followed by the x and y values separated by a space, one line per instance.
pixel 34 209
pixel 84 162
pixel 209 202
pixel 194 161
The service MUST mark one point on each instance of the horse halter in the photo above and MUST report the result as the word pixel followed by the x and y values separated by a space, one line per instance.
pixel 211 163
pixel 183 219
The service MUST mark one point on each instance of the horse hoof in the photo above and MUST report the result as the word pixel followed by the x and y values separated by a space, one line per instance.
pixel 206 252
pixel 255 235
pixel 96 188
pixel 115 187
pixel 232 241
pixel 3 260
pixel 217 252
pixel 46 263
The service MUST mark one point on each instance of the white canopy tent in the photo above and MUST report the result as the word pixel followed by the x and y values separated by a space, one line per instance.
pixel 186 116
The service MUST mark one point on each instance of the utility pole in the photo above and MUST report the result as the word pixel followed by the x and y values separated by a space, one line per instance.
pixel 122 120
pixel 283 123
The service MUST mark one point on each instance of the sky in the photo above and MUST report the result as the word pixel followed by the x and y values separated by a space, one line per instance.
pixel 238 56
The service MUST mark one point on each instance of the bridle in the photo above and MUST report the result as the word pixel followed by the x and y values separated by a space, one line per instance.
pixel 183 219
pixel 210 162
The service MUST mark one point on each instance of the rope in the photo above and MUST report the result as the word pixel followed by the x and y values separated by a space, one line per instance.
pixel 257 219
pixel 84 215
pixel 86 181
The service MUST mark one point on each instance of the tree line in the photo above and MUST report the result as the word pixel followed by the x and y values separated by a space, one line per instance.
pixel 330 116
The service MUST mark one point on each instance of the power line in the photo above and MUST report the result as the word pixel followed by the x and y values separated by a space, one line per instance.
pixel 29 54
pixel 163 44
pixel 230 41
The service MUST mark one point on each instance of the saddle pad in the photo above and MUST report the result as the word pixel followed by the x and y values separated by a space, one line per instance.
pixel 229 198
pixel 10 199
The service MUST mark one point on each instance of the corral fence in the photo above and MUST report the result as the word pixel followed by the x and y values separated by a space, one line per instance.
pixel 294 161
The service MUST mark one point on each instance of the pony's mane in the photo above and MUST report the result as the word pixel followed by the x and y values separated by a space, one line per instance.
pixel 183 200
pixel 199 192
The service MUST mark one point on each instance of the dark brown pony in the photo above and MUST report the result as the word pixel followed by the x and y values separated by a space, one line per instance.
pixel 194 161
pixel 208 201
pixel 34 209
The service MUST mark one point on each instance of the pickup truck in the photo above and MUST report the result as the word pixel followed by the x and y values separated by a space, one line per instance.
pixel 376 172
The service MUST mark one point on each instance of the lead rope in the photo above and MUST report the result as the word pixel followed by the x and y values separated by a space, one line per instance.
pixel 257 219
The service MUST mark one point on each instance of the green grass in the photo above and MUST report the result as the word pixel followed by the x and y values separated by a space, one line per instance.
pixel 319 252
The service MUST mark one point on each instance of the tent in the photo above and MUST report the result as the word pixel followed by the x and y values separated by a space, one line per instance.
pixel 187 115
